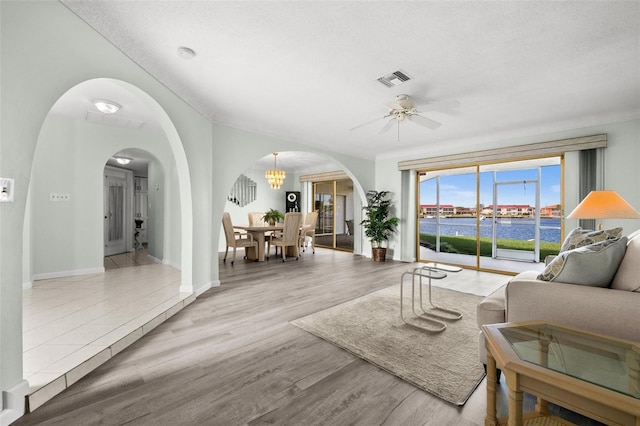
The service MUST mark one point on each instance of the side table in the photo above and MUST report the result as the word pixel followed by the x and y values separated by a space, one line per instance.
pixel 435 310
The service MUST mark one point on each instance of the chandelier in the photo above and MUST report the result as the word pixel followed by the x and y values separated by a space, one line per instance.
pixel 275 177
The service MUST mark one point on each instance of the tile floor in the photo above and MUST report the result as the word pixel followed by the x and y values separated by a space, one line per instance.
pixel 72 325
pixel 125 260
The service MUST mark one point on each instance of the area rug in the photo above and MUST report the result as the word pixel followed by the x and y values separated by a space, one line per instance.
pixel 444 364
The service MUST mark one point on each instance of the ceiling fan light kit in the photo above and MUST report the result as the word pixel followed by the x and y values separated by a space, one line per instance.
pixel 401 109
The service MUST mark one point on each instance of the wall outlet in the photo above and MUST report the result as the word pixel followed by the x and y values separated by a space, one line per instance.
pixel 6 190
pixel 59 196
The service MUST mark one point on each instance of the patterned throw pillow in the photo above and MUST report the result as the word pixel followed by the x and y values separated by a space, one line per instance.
pixel 583 237
pixel 593 265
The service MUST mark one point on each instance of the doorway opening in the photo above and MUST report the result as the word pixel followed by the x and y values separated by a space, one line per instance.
pixel 128 226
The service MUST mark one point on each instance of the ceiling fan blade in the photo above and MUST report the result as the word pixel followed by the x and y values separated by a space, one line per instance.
pixel 387 126
pixel 424 121
pixel 368 122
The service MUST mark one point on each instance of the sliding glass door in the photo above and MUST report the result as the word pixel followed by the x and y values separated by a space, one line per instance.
pixel 494 217
pixel 333 200
pixel 448 223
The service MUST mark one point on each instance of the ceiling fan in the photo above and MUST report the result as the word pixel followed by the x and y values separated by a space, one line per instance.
pixel 402 109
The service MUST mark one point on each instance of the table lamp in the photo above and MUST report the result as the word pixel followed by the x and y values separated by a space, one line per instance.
pixel 603 205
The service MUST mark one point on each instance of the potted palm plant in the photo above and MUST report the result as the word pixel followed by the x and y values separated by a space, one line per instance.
pixel 379 224
pixel 273 216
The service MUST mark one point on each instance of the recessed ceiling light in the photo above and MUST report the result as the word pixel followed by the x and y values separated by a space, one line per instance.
pixel 123 160
pixel 186 52
pixel 107 107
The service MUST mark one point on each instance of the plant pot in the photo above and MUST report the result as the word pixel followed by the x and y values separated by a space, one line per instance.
pixel 379 254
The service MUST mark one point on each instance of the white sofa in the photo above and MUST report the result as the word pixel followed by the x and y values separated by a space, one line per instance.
pixel 613 308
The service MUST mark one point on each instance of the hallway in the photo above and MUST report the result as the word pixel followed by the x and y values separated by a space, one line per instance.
pixel 72 325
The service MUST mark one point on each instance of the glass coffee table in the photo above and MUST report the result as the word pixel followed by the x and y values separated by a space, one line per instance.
pixel 588 373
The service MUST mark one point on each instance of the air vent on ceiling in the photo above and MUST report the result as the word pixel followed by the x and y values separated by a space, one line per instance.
pixel 394 79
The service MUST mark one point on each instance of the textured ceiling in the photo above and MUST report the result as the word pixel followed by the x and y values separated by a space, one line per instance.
pixel 306 71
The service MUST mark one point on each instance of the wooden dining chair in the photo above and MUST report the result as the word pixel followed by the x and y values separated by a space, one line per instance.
pixel 255 219
pixel 289 237
pixel 309 230
pixel 235 239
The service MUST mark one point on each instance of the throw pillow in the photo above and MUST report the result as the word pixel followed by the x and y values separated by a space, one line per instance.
pixel 628 275
pixel 583 237
pixel 594 265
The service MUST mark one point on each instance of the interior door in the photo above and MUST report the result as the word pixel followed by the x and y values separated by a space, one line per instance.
pixel 115 190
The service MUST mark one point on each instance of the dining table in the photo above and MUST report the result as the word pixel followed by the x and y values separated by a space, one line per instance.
pixel 258 232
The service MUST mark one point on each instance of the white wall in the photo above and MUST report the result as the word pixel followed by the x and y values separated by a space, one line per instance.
pixel 158 226
pixel 621 173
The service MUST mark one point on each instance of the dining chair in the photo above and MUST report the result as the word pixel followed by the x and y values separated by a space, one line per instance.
pixel 289 237
pixel 309 230
pixel 235 239
pixel 255 219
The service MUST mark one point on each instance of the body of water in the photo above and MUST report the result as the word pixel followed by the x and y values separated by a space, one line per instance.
pixel 511 229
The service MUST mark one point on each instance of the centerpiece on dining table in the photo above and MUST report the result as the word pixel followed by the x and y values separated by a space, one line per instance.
pixel 272 217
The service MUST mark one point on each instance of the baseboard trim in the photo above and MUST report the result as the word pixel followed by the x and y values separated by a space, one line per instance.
pixel 206 287
pixel 14 401
pixel 172 264
pixel 62 274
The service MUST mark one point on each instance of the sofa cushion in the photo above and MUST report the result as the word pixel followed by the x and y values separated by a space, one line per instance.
pixel 490 310
pixel 628 275
pixel 583 237
pixel 593 265
pixel 635 234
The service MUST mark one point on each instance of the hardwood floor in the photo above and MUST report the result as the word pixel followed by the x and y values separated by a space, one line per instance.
pixel 232 358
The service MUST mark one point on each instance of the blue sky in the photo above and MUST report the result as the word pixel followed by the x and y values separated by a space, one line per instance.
pixel 460 190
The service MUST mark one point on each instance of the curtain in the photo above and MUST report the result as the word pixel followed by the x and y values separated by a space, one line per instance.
pixel 587 180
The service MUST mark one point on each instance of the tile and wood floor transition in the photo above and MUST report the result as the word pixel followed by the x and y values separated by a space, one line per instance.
pixel 72 325
pixel 232 358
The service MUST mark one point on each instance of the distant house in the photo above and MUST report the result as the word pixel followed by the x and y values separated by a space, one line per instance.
pixel 551 211
pixel 432 210
pixel 510 210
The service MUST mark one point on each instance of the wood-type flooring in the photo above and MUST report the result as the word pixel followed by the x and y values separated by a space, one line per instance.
pixel 232 358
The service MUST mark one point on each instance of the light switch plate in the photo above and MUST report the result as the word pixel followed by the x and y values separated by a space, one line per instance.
pixel 6 190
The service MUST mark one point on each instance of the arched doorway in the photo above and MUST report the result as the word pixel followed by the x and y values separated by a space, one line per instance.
pixel 302 168
pixel 63 228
